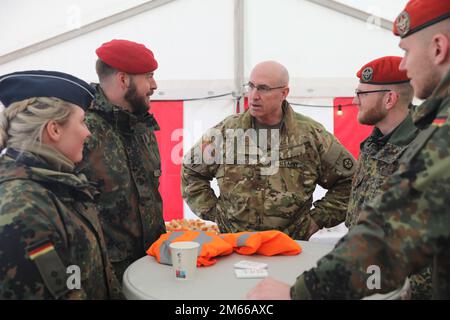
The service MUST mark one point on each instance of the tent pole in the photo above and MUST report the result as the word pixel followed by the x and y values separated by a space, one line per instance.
pixel 238 53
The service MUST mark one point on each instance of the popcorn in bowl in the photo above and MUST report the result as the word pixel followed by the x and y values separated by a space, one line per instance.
pixel 191 224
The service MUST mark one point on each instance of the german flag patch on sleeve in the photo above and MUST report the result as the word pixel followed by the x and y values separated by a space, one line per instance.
pixel 53 272
pixel 439 121
pixel 41 250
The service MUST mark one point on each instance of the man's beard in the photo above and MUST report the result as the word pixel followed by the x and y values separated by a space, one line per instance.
pixel 372 117
pixel 138 103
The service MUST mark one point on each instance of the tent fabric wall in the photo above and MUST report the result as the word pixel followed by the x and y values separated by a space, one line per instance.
pixel 191 39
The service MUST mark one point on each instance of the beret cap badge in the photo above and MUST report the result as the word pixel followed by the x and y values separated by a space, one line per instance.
pixel 403 23
pixel 367 74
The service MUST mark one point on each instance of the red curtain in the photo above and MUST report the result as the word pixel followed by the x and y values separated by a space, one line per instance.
pixel 169 115
pixel 346 126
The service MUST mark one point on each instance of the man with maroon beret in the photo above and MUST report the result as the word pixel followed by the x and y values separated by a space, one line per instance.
pixel 407 227
pixel 122 156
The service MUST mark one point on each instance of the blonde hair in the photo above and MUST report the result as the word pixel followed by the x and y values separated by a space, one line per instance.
pixel 23 122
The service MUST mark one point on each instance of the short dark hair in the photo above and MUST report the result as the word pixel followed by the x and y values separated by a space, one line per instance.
pixel 104 70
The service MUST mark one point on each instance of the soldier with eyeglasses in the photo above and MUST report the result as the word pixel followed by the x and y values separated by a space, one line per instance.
pixel 250 199
pixel 383 97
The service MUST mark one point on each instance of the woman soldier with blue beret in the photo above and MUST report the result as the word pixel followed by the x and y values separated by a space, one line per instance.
pixel 51 243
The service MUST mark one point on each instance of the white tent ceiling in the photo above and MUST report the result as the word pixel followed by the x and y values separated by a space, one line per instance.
pixel 194 40
pixel 387 9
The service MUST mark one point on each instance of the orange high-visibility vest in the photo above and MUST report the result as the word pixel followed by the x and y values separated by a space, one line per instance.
pixel 210 246
pixel 267 243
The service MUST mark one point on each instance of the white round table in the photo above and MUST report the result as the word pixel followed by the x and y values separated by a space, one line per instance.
pixel 148 279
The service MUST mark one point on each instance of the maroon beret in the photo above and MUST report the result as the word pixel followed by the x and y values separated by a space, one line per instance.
pixel 419 14
pixel 127 56
pixel 382 71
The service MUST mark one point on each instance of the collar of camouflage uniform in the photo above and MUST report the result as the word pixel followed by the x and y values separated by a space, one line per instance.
pixel 125 120
pixel 70 184
pixel 289 128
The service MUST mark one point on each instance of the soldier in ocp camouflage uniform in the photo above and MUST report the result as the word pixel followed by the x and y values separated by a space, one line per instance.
pixel 407 227
pixel 122 155
pixel 254 199
pixel 49 229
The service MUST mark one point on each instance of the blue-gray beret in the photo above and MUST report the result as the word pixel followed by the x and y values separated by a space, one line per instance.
pixel 23 85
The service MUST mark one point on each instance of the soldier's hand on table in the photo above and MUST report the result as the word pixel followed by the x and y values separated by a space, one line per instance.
pixel 270 289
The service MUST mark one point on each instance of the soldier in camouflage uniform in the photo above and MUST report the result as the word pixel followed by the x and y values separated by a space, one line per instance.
pixel 383 97
pixel 122 157
pixel 407 227
pixel 49 228
pixel 251 196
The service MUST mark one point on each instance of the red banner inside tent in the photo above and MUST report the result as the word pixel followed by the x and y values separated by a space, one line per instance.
pixel 169 115
pixel 346 126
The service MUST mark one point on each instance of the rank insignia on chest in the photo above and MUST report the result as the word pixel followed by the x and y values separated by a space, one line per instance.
pixel 290 164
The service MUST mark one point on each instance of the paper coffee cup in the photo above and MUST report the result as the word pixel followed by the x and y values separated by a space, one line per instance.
pixel 184 259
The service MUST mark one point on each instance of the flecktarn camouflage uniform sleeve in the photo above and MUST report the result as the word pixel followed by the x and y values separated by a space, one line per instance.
pixel 90 149
pixel 198 169
pixel 421 285
pixel 337 169
pixel 31 250
pixel 398 232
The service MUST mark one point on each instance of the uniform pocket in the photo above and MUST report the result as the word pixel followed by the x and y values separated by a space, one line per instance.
pixel 388 159
pixel 296 172
pixel 291 189
pixel 237 179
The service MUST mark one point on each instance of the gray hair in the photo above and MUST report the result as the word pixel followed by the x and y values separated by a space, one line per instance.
pixel 23 122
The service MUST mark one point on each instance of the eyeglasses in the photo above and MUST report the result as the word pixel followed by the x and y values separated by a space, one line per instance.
pixel 358 92
pixel 261 88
